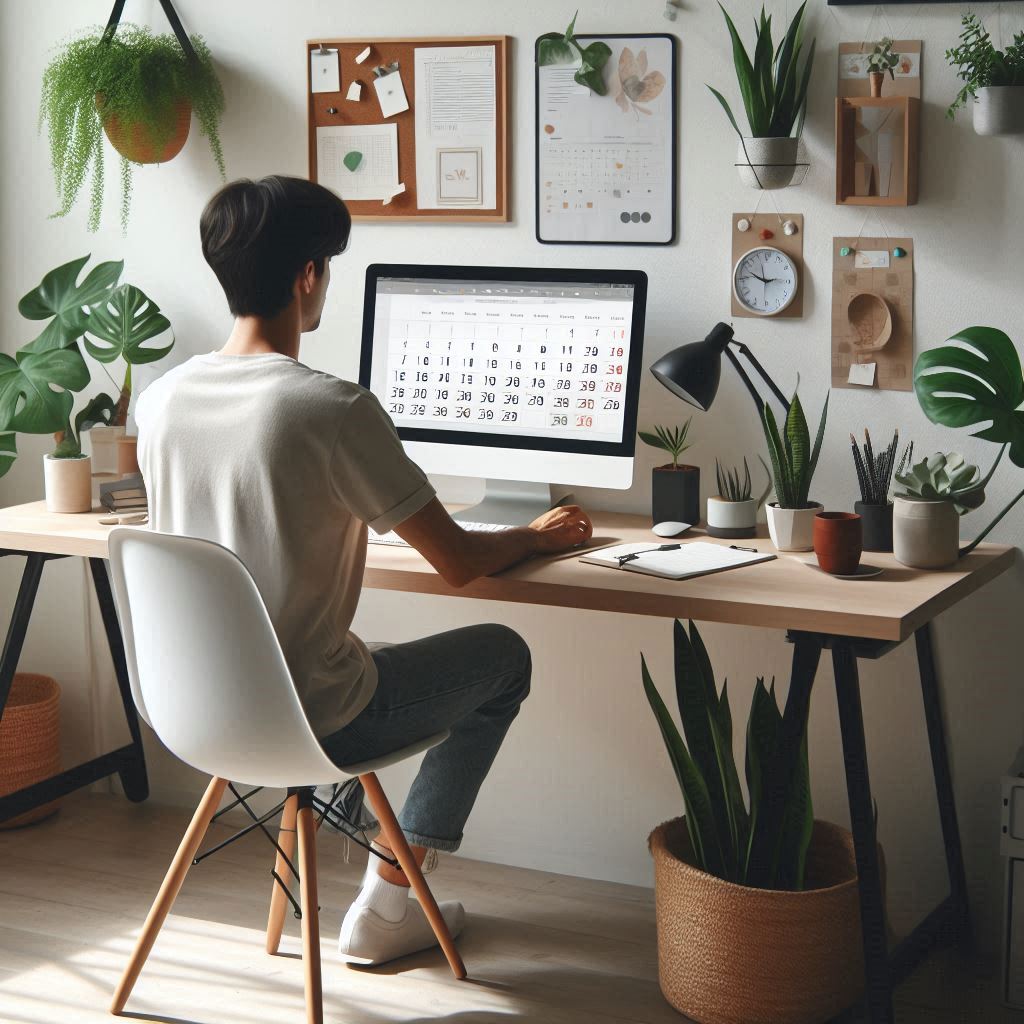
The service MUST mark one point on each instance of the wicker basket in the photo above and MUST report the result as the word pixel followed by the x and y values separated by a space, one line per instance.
pixel 30 740
pixel 135 143
pixel 728 954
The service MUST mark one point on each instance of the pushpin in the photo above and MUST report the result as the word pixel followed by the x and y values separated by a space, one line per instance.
pixel 766 234
pixel 898 252
pixel 789 227
pixel 845 251
pixel 743 224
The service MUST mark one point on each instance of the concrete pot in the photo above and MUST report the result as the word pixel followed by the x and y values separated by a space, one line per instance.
pixel 999 110
pixel 792 529
pixel 926 534
pixel 733 519
pixel 766 163
pixel 68 484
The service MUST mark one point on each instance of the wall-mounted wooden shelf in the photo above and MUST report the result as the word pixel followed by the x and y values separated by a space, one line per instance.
pixel 877 145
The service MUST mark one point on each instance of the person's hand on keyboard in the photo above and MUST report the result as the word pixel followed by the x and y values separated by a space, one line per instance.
pixel 562 528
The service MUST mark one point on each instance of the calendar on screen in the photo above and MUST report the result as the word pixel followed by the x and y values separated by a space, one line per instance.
pixel 548 360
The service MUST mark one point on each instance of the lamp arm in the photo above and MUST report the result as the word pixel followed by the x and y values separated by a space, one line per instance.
pixel 758 400
pixel 761 372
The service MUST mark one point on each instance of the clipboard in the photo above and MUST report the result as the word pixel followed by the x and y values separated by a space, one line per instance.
pixel 677 561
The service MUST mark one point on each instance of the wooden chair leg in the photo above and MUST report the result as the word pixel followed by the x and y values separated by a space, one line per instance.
pixel 278 900
pixel 172 882
pixel 306 828
pixel 399 845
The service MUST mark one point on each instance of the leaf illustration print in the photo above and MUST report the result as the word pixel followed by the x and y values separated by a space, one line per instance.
pixel 635 84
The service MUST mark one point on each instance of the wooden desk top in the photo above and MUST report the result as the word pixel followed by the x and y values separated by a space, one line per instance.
pixel 787 593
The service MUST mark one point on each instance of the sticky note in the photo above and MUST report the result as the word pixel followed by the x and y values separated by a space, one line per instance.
pixel 362 55
pixel 355 91
pixel 391 94
pixel 324 73
pixel 398 191
pixel 352 159
pixel 863 374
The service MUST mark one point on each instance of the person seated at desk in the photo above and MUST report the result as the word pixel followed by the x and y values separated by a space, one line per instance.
pixel 285 466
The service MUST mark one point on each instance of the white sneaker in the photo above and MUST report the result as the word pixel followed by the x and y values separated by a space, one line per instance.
pixel 366 938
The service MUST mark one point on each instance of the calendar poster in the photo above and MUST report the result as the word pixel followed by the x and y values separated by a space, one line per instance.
pixel 606 165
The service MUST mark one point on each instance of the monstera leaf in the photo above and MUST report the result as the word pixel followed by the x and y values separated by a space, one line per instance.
pixel 121 326
pixel 8 450
pixel 59 296
pixel 976 380
pixel 35 389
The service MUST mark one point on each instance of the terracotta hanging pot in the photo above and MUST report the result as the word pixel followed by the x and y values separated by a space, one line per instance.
pixel 135 142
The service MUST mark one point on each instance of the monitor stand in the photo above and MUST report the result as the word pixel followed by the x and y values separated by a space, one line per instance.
pixel 510 503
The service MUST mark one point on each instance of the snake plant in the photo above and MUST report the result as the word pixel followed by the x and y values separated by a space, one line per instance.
pixel 732 488
pixel 793 459
pixel 763 846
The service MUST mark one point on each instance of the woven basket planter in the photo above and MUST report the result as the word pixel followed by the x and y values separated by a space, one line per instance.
pixel 134 141
pixel 30 740
pixel 728 954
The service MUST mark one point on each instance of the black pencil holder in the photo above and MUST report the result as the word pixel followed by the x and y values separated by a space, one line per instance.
pixel 876 521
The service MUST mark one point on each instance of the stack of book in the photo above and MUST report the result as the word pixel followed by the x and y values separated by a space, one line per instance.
pixel 125 495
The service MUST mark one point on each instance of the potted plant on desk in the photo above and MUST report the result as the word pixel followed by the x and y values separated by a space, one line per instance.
pixel 791 515
pixel 993 78
pixel 732 512
pixel 874 476
pixel 675 488
pixel 757 907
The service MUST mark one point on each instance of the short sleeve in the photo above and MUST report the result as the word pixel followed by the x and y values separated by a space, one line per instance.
pixel 371 473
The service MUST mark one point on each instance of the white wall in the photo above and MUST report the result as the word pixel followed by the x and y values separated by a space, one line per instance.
pixel 582 778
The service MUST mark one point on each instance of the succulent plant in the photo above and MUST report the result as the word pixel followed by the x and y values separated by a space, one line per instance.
pixel 945 477
pixel 731 487
pixel 668 439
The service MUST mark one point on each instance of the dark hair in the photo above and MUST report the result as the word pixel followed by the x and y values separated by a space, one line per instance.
pixel 258 235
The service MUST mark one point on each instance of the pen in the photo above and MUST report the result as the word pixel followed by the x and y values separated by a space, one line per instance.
pixel 739 547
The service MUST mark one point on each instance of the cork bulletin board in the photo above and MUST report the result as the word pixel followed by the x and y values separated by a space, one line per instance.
pixel 873 314
pixel 330 109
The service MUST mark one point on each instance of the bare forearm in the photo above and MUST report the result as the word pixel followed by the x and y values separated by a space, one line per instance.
pixel 487 553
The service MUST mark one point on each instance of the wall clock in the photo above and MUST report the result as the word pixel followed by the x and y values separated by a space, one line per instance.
pixel 765 281
pixel 767 268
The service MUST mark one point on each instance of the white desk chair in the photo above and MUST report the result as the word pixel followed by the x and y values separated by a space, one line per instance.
pixel 209 677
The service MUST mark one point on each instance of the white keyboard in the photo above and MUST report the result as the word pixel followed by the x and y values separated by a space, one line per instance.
pixel 392 538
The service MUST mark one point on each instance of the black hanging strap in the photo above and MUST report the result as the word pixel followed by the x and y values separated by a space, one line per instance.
pixel 172 16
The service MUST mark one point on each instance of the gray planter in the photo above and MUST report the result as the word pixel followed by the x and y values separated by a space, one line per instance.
pixel 766 163
pixel 999 110
pixel 926 534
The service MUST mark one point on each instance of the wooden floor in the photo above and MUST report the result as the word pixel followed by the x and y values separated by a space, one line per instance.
pixel 539 947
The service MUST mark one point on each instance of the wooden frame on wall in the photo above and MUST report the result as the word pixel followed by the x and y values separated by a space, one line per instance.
pixel 847 107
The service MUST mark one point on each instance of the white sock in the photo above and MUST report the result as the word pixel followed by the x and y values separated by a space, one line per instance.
pixel 384 898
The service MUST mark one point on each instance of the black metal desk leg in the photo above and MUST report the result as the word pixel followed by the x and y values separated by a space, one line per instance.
pixel 862 819
pixel 943 782
pixel 19 623
pixel 133 769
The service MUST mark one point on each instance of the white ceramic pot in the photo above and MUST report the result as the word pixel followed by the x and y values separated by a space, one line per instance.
pixel 766 163
pixel 999 110
pixel 104 447
pixel 732 518
pixel 792 529
pixel 925 534
pixel 68 484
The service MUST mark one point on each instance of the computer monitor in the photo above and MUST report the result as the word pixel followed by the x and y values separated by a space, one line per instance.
pixel 525 377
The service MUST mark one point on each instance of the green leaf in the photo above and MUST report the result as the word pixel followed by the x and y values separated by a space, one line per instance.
pixel 652 439
pixel 553 49
pixel 591 78
pixel 777 453
pixel 123 324
pixel 35 389
pixel 100 409
pixel 596 54
pixel 60 296
pixel 352 159
pixel 745 78
pixel 817 449
pixel 762 734
pixel 8 450
pixel 571 30
pixel 797 824
pixel 798 449
pixel 69 447
pixel 728 110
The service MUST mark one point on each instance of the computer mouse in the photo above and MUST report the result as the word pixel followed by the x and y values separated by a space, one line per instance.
pixel 670 528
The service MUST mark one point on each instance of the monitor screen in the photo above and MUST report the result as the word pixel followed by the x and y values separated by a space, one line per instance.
pixel 552 359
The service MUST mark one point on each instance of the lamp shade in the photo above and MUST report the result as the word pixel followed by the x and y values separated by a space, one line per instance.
pixel 692 372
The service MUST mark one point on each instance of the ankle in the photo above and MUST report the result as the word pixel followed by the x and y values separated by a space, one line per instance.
pixel 392 872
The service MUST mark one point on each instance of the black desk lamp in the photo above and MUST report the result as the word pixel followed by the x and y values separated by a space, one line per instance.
pixel 692 372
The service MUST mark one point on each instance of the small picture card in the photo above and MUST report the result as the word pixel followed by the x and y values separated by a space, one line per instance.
pixel 871 259
pixel 324 71
pixel 459 178
pixel 390 91
pixel 863 374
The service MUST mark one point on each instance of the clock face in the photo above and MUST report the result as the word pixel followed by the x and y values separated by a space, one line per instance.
pixel 765 281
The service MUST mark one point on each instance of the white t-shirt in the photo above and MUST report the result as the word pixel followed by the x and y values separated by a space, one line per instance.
pixel 283 465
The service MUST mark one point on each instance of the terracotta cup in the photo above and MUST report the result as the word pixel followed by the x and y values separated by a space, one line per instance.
pixel 837 541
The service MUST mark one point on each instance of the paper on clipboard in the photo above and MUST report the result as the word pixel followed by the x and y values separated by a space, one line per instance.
pixel 376 176
pixel 456 127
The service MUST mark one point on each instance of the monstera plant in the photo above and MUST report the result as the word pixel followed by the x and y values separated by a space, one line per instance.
pixel 975 381
pixel 115 322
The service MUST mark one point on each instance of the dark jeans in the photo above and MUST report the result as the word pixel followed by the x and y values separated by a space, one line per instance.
pixel 470 681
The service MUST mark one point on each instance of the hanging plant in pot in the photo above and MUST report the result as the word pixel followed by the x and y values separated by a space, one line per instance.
pixel 727 875
pixel 993 79
pixel 791 515
pixel 774 90
pixel 732 513
pixel 138 88
pixel 675 488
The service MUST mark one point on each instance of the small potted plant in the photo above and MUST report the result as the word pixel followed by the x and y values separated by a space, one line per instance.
pixel 791 515
pixel 774 90
pixel 728 874
pixel 675 488
pixel 874 476
pixel 564 48
pixel 993 78
pixel 881 60
pixel 733 511
pixel 138 88
pixel 37 385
